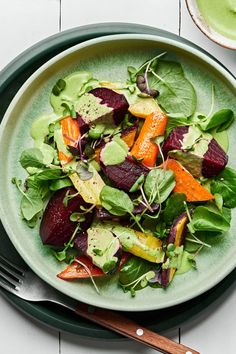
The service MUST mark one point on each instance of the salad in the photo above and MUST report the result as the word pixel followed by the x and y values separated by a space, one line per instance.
pixel 127 179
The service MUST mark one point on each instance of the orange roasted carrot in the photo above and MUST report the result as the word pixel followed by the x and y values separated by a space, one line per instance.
pixel 186 183
pixel 70 133
pixel 144 148
pixel 76 270
pixel 128 136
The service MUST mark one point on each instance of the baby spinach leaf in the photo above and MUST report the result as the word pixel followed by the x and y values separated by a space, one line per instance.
pixel 177 94
pixel 225 184
pixel 132 73
pixel 216 120
pixel 158 185
pixel 49 174
pixel 174 207
pixel 33 222
pixel 116 201
pixel 224 126
pixel 31 204
pixel 42 187
pixel 137 184
pixel 219 201
pixel 32 157
pixel 59 184
pixel 132 271
pixel 210 218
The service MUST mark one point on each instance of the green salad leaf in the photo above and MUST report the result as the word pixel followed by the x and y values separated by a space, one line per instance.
pixel 31 204
pixel 116 201
pixel 225 184
pixel 210 218
pixel 59 184
pixel 32 157
pixel 174 207
pixel 175 121
pixel 136 273
pixel 221 119
pixel 49 174
pixel 158 185
pixel 177 94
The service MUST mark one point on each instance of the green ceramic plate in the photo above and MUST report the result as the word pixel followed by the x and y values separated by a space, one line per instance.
pixel 108 58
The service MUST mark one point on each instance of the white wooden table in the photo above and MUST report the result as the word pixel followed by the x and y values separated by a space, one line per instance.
pixel 25 22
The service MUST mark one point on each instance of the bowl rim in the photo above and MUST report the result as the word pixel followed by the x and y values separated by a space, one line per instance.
pixel 3 213
pixel 200 22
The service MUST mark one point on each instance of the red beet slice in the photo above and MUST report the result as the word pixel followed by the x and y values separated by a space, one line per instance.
pixel 82 244
pixel 214 160
pixel 176 236
pixel 125 174
pixel 114 100
pixel 83 126
pixel 211 163
pixel 174 140
pixel 56 228
pixel 102 214
pixel 81 241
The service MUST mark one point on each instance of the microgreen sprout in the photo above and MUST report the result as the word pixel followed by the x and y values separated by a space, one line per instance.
pixel 142 280
pixel 61 255
pixel 149 62
pixel 89 273
pixel 68 197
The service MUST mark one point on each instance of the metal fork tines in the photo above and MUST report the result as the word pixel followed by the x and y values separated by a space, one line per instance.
pixel 28 286
pixel 11 276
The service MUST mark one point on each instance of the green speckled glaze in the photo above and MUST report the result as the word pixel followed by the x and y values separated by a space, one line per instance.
pixel 108 58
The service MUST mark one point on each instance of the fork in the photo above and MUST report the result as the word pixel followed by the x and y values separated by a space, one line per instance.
pixel 28 286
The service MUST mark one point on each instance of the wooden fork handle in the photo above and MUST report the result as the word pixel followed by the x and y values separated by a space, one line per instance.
pixel 118 323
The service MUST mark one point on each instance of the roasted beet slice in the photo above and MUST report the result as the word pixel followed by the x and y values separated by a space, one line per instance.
pixel 174 140
pixel 84 127
pixel 101 246
pixel 103 214
pixel 178 230
pixel 176 236
pixel 56 228
pixel 112 99
pixel 81 241
pixel 209 164
pixel 214 160
pixel 125 174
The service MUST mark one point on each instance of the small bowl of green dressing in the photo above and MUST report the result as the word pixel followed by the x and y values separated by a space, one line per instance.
pixel 216 19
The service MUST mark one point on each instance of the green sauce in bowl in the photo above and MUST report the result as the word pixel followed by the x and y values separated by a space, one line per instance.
pixel 220 15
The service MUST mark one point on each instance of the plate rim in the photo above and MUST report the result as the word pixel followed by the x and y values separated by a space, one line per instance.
pixel 56 58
